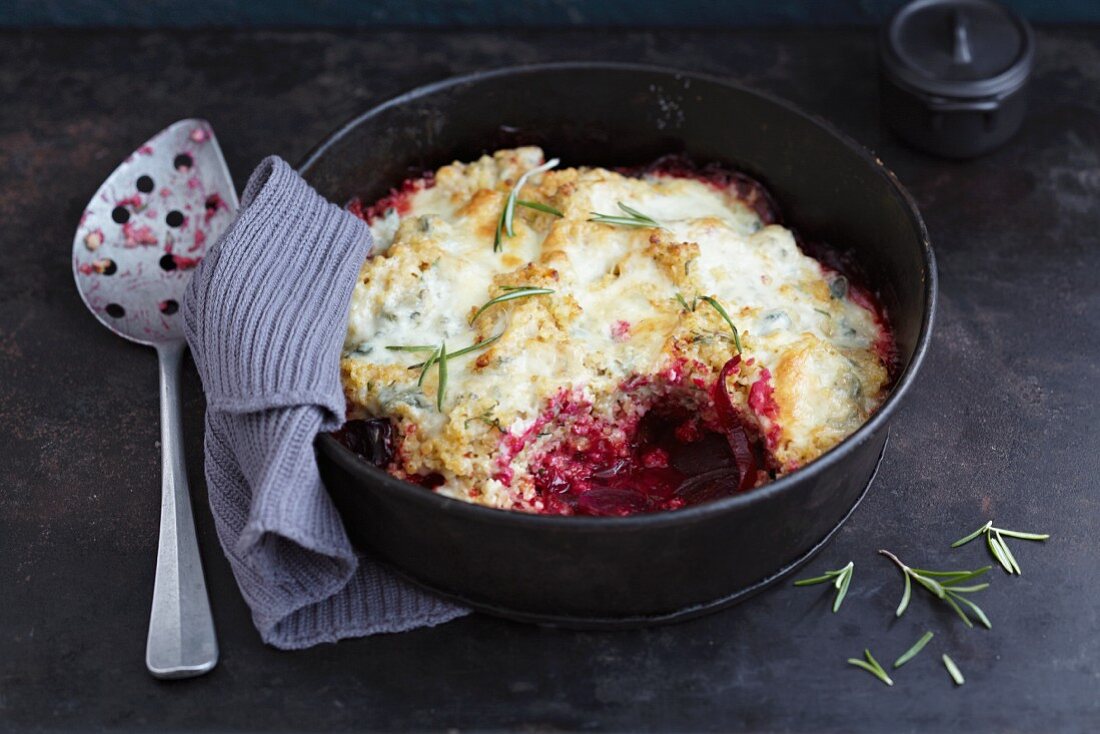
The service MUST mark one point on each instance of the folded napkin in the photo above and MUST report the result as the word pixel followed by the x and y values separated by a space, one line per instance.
pixel 265 314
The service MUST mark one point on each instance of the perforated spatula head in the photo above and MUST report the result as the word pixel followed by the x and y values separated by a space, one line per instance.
pixel 148 226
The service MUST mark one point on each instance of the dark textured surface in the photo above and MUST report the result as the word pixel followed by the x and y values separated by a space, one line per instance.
pixel 1002 423
pixel 481 13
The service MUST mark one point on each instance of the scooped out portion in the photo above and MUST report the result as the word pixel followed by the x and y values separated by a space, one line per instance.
pixel 587 341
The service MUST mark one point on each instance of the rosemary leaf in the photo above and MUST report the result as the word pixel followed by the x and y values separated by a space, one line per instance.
pixel 871 669
pixel 998 553
pixel 425 366
pixel 683 303
pixel 958 610
pixel 540 207
pixel 951 576
pixel 1008 553
pixel 442 388
pixel 965 589
pixel 953 671
pixel 506 217
pixel 977 611
pixel 843 581
pixel 510 206
pixel 722 312
pixel 871 666
pixel 413 348
pixel 617 221
pixel 817 579
pixel 1023 536
pixel 975 534
pixel 510 295
pixel 865 666
pixel 905 597
pixel 637 214
pixel 634 218
pixel 498 239
pixel 933 586
pixel 872 661
pixel 912 652
pixel 958 577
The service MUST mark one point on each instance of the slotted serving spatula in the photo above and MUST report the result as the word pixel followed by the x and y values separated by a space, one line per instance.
pixel 138 241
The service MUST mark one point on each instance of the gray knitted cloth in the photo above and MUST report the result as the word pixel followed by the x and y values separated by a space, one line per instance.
pixel 266 313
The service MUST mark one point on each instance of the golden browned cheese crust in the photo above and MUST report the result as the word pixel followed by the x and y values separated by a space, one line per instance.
pixel 623 327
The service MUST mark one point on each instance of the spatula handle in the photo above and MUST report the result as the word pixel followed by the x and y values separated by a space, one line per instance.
pixel 182 643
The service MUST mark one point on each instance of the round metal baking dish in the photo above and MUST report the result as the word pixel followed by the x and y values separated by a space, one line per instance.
pixel 646 568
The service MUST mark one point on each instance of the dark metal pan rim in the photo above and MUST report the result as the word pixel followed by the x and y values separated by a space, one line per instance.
pixel 440 503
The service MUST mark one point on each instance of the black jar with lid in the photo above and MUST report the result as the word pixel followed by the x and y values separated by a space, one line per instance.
pixel 954 74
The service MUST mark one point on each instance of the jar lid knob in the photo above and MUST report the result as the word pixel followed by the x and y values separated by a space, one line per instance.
pixel 961 52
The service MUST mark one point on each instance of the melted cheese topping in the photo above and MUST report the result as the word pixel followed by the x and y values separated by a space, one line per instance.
pixel 614 322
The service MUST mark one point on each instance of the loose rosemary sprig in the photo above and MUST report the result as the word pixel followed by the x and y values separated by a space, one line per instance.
pixel 871 666
pixel 713 303
pixel 511 293
pixel 439 357
pixel 912 652
pixel 633 218
pixel 505 223
pixel 841 578
pixel 995 539
pixel 722 312
pixel 953 670
pixel 429 348
pixel 944 585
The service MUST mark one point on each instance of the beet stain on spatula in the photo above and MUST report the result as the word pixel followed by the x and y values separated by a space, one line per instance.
pixel 138 242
